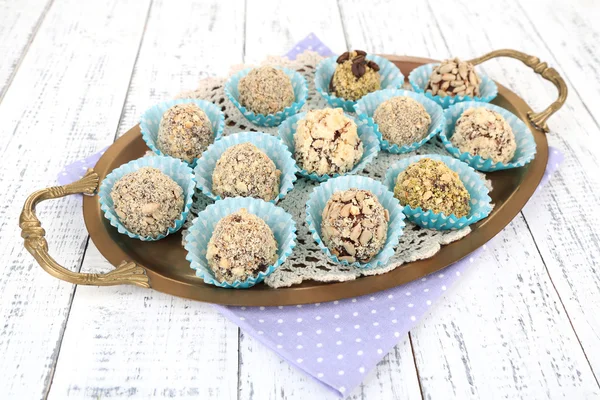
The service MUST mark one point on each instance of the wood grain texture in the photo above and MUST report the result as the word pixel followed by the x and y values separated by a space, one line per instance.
pixel 63 104
pixel 18 24
pixel 126 342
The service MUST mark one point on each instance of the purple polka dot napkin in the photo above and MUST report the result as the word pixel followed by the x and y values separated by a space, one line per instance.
pixel 337 343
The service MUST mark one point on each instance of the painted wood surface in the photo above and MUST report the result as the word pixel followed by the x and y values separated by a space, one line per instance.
pixel 522 324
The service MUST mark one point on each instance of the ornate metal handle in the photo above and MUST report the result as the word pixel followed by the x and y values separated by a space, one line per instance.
pixel 36 244
pixel 537 119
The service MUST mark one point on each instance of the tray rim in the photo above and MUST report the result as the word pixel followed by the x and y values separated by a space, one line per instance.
pixel 263 296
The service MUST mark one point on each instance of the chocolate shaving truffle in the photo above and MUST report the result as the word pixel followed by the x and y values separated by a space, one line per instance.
pixel 244 170
pixel 354 225
pixel 184 132
pixel 402 120
pixel 432 185
pixel 266 90
pixel 483 132
pixel 147 201
pixel 327 142
pixel 453 78
pixel 242 245
pixel 354 76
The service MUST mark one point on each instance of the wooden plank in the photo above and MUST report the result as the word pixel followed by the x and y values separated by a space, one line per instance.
pixel 63 103
pixel 128 342
pixel 19 22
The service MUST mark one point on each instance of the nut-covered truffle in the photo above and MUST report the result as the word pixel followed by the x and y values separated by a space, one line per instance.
pixel 244 170
pixel 402 120
pixel 483 132
pixel 354 225
pixel 453 78
pixel 266 90
pixel 241 246
pixel 327 142
pixel 354 76
pixel 184 132
pixel 147 201
pixel 432 185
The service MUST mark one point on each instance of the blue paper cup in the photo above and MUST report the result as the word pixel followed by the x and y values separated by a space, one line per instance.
pixel 287 130
pixel 480 200
pixel 300 94
pixel 419 77
pixel 150 121
pixel 270 145
pixel 365 108
pixel 391 77
pixel 199 234
pixel 320 196
pixel 178 170
pixel 526 148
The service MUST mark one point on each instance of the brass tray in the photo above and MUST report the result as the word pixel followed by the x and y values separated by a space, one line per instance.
pixel 162 265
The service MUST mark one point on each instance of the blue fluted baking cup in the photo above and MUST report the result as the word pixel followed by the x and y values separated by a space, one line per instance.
pixel 480 200
pixel 270 145
pixel 526 148
pixel 391 77
pixel 365 108
pixel 419 77
pixel 199 234
pixel 178 170
pixel 320 196
pixel 150 121
pixel 287 130
pixel 300 94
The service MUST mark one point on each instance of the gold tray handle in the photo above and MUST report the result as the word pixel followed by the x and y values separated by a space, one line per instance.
pixel 36 244
pixel 537 119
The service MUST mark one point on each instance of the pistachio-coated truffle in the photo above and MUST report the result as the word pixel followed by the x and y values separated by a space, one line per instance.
pixel 355 76
pixel 266 90
pixel 402 120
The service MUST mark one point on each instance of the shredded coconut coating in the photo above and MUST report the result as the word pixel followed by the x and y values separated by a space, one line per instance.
pixel 147 201
pixel 402 120
pixel 486 133
pixel 184 132
pixel 431 185
pixel 327 142
pixel 346 85
pixel 244 170
pixel 266 90
pixel 354 225
pixel 241 246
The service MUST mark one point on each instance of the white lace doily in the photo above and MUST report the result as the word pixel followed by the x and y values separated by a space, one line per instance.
pixel 308 261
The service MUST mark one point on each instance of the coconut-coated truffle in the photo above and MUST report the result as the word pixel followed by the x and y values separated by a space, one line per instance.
pixel 432 185
pixel 147 201
pixel 244 170
pixel 327 142
pixel 354 76
pixel 483 132
pixel 184 132
pixel 354 225
pixel 402 120
pixel 266 90
pixel 454 77
pixel 241 246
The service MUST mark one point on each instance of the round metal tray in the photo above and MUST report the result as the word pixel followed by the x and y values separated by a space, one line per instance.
pixel 162 266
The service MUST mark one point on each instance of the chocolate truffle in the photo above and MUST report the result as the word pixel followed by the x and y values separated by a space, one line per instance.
pixel 184 132
pixel 483 132
pixel 354 76
pixel 402 120
pixel 241 246
pixel 147 201
pixel 244 170
pixel 354 225
pixel 327 142
pixel 266 90
pixel 453 78
pixel 431 185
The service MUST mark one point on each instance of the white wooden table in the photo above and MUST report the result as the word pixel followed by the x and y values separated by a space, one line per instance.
pixel 75 74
